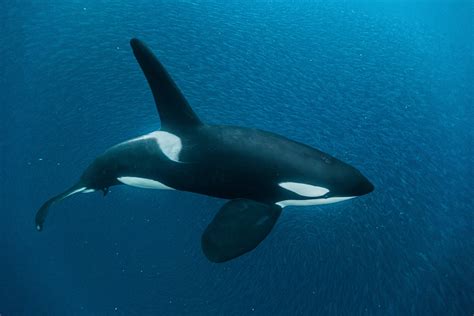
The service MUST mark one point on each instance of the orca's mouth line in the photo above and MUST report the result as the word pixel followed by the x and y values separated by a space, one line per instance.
pixel 316 201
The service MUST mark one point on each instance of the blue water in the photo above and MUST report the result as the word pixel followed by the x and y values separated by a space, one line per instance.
pixel 386 86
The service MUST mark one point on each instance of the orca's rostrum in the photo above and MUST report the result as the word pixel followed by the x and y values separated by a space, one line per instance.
pixel 258 172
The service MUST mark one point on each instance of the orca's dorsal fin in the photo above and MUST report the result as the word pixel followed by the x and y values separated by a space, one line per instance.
pixel 175 112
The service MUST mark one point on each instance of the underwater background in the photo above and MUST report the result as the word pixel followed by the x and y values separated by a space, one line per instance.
pixel 384 86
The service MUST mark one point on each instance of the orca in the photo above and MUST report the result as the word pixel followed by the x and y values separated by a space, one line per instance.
pixel 259 172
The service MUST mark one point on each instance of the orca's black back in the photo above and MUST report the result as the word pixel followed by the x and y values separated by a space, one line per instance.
pixel 235 162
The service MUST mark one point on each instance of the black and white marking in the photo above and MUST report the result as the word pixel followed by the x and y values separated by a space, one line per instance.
pixel 258 172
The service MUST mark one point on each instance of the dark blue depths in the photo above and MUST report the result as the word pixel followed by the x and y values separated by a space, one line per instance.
pixel 386 87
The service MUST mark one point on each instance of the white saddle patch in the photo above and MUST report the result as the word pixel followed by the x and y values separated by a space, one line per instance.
pixel 303 189
pixel 169 144
pixel 313 201
pixel 144 183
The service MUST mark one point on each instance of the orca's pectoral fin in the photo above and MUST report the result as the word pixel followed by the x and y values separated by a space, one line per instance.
pixel 43 211
pixel 238 227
